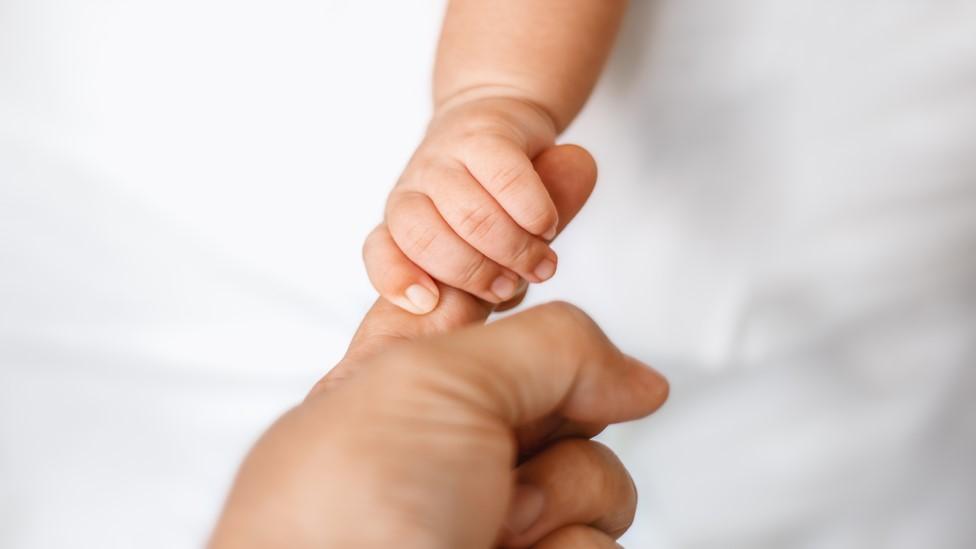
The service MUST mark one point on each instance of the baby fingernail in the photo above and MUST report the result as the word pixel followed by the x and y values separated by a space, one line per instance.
pixel 422 299
pixel 527 505
pixel 545 269
pixel 504 287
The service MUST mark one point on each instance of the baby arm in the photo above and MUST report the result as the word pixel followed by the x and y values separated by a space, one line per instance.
pixel 469 210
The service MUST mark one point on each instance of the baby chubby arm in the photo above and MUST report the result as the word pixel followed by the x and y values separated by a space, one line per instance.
pixel 548 53
pixel 469 210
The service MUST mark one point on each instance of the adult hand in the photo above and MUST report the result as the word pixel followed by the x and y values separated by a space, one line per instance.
pixel 457 441
pixel 470 439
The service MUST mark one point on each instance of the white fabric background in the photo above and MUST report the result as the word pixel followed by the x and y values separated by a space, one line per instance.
pixel 785 225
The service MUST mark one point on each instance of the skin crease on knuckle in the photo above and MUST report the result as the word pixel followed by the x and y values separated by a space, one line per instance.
pixel 543 219
pixel 476 275
pixel 505 163
pixel 412 233
pixel 504 177
pixel 477 221
pixel 467 384
pixel 416 236
pixel 537 215
pixel 501 393
pixel 520 252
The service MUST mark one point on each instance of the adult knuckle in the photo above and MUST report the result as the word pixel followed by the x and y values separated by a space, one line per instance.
pixel 607 482
pixel 611 479
pixel 591 456
pixel 569 318
pixel 578 335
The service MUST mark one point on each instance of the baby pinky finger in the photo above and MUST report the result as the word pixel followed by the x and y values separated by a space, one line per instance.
pixel 395 277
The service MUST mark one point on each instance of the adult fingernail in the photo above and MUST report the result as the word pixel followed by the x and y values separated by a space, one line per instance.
pixel 504 287
pixel 526 508
pixel 550 234
pixel 422 299
pixel 545 269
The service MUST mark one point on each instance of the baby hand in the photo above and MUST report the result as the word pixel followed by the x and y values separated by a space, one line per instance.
pixel 469 209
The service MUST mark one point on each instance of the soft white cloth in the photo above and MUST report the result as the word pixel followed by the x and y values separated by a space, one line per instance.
pixel 785 225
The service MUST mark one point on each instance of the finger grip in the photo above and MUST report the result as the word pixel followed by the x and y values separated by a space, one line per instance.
pixel 395 277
